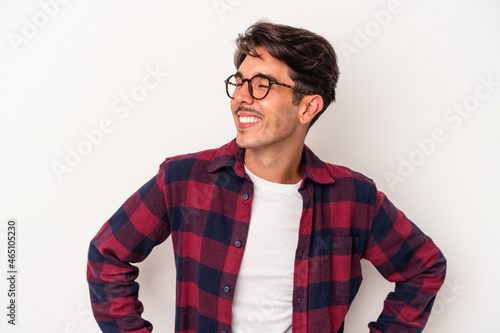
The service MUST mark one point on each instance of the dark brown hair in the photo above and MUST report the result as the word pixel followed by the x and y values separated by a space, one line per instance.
pixel 310 57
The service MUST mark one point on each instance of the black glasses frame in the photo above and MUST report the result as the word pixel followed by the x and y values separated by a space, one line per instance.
pixel 271 82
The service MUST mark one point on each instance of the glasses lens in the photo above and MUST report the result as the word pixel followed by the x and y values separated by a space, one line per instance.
pixel 260 86
pixel 231 84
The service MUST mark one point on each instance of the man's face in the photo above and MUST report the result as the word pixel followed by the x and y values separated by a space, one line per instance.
pixel 271 122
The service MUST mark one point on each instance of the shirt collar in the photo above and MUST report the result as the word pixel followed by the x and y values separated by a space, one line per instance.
pixel 314 168
pixel 231 155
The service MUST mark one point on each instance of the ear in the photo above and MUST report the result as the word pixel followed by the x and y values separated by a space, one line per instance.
pixel 310 105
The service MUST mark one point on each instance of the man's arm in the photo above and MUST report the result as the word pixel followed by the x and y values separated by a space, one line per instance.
pixel 128 236
pixel 403 254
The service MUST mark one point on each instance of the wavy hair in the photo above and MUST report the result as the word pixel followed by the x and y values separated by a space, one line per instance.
pixel 310 57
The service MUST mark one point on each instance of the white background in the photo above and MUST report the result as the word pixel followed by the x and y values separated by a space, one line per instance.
pixel 65 77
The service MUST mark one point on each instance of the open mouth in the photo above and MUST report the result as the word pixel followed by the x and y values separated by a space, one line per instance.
pixel 249 120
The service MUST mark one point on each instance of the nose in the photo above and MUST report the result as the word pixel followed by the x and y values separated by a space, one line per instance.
pixel 242 95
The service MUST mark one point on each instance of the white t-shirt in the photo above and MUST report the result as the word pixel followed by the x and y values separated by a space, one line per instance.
pixel 264 288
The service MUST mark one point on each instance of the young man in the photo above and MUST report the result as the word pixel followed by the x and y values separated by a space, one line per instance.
pixel 267 237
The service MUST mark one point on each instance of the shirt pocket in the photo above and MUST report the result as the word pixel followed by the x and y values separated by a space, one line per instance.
pixel 341 269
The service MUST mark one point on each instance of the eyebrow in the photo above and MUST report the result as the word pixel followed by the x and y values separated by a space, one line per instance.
pixel 272 78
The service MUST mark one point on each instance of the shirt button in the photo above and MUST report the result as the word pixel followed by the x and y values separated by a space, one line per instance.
pixel 301 254
pixel 245 196
pixel 223 331
pixel 227 289
pixel 298 300
pixel 237 244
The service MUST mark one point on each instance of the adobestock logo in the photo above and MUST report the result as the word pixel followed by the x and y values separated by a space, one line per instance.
pixel 121 106
pixel 363 36
pixel 31 27
pixel 454 116
pixel 449 294
pixel 223 6
pixel 81 320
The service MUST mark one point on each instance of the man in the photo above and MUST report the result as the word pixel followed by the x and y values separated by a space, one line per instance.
pixel 267 238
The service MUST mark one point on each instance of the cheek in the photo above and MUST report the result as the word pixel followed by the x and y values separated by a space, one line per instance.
pixel 233 105
pixel 286 113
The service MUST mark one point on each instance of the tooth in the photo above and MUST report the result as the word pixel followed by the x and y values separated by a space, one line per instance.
pixel 250 119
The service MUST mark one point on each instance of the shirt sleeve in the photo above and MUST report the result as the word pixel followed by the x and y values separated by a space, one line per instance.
pixel 403 254
pixel 127 237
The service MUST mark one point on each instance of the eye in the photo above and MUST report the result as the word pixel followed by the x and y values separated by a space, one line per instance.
pixel 237 81
pixel 260 83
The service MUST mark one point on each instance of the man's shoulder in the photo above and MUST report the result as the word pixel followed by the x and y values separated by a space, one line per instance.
pixel 351 185
pixel 202 159
pixel 342 172
pixel 329 172
pixel 203 155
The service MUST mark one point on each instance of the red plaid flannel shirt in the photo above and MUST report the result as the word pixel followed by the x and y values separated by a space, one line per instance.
pixel 203 201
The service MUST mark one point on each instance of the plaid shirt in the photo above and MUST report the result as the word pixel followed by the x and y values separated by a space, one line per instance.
pixel 203 200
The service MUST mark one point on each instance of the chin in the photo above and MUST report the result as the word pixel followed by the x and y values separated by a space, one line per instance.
pixel 240 142
pixel 243 142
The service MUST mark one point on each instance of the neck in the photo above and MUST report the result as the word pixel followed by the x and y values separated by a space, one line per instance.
pixel 279 166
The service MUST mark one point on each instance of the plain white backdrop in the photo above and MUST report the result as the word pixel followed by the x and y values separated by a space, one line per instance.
pixel 94 95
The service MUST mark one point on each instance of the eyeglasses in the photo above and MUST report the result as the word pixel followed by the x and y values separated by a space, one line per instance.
pixel 258 86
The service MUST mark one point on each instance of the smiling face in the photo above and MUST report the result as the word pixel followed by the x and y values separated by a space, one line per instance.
pixel 272 122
